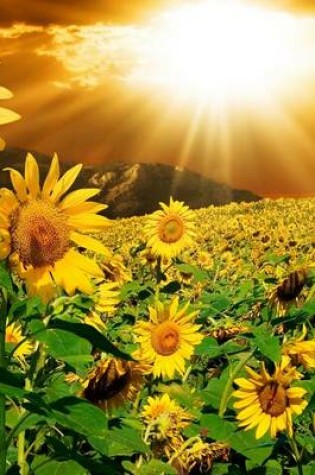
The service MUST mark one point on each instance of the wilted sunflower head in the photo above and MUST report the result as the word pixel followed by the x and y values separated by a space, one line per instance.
pixel 171 230
pixel 115 270
pixel 268 401
pixel 200 456
pixel 113 382
pixel 21 346
pixel 6 115
pixel 39 228
pixel 168 339
pixel 289 290
pixel 165 417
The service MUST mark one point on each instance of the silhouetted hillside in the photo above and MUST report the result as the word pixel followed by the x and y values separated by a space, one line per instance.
pixel 136 189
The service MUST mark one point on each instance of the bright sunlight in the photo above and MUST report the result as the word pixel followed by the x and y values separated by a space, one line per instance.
pixel 224 50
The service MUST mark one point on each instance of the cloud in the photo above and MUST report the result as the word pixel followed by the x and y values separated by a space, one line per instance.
pixel 19 29
pixel 95 52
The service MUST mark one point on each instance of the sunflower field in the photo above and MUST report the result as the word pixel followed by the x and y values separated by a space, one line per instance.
pixel 178 343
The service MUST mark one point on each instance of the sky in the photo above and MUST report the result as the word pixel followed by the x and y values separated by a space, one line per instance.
pixel 226 91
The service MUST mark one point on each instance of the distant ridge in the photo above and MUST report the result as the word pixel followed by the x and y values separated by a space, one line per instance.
pixel 136 189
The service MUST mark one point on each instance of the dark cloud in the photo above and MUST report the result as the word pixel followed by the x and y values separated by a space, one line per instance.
pixel 43 12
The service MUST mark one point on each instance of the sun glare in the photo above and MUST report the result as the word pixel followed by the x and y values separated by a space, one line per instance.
pixel 223 50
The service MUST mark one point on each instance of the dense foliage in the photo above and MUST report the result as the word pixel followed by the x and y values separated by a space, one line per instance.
pixel 248 281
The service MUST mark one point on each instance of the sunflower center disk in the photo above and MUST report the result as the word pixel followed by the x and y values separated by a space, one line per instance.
pixel 40 234
pixel 171 229
pixel 273 399
pixel 165 338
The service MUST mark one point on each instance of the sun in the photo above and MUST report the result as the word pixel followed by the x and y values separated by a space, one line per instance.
pixel 223 50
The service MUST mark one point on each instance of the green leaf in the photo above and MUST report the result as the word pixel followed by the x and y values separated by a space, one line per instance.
pixel 184 395
pixel 208 347
pixel 11 384
pixel 243 442
pixel 171 287
pixel 125 441
pixel 273 468
pixel 79 415
pixel 65 346
pixel 216 303
pixel 156 467
pixel 5 278
pixel 90 334
pixel 198 274
pixel 43 465
pixel 267 344
pixel 99 443
pixel 307 470
pixel 212 394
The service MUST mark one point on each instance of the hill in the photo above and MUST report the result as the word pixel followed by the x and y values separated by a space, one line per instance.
pixel 136 189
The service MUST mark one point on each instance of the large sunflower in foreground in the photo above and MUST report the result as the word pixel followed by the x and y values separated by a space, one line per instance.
pixel 113 382
pixel 39 227
pixel 267 401
pixel 6 115
pixel 171 230
pixel 168 339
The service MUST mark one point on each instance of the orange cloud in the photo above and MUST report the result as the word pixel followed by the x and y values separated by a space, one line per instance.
pixel 19 29
pixel 94 52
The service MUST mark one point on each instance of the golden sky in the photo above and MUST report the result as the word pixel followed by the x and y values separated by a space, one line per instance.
pixel 165 81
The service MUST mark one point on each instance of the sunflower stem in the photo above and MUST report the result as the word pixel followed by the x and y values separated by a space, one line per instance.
pixel 3 443
pixel 226 392
pixel 296 454
pixel 187 373
pixel 24 469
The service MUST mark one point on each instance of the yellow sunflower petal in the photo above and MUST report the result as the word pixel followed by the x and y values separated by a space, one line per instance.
pixel 52 177
pixel 32 175
pixel 296 392
pixel 77 197
pixel 2 144
pixel 39 282
pixel 18 184
pixel 89 243
pixel 70 276
pixel 87 207
pixel 89 222
pixel 84 263
pixel 263 426
pixel 5 93
pixel 7 116
pixel 245 413
pixel 65 182
pixel 245 384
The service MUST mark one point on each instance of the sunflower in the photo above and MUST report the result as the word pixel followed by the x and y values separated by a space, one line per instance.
pixel 170 230
pixel 38 228
pixel 112 382
pixel 115 270
pixel 6 115
pixel 168 339
pixel 15 337
pixel 289 291
pixel 106 298
pixel 301 351
pixel 267 401
pixel 165 419
pixel 200 456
